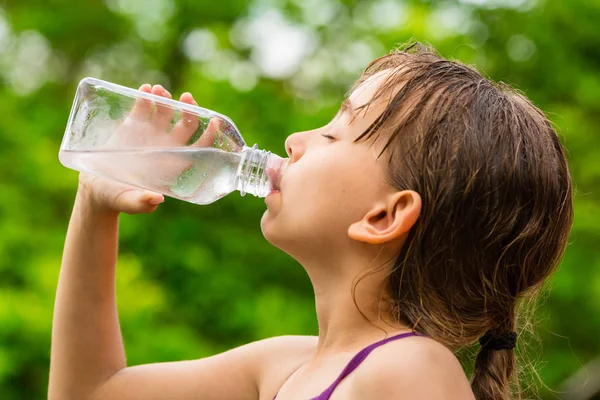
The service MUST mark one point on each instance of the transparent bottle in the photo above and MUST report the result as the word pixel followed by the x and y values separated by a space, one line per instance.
pixel 155 143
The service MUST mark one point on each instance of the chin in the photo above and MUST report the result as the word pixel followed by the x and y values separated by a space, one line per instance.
pixel 276 232
pixel 267 226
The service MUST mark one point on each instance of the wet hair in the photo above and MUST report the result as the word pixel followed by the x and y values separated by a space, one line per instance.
pixel 496 204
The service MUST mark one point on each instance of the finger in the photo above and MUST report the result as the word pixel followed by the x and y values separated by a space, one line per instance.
pixel 208 137
pixel 143 107
pixel 187 125
pixel 161 119
pixel 137 201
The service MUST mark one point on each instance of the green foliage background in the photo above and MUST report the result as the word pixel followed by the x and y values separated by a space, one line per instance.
pixel 197 280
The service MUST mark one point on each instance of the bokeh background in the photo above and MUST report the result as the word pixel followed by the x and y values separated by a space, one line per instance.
pixel 197 280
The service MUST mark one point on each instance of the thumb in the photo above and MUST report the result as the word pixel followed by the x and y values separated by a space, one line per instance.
pixel 138 201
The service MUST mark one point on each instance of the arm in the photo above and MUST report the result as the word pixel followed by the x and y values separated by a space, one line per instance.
pixel 86 338
pixel 243 373
pixel 87 356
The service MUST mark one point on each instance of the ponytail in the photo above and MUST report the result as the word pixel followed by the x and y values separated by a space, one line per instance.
pixel 494 366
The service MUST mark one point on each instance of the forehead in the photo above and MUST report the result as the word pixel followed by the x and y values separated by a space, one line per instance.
pixel 385 80
pixel 361 115
pixel 369 98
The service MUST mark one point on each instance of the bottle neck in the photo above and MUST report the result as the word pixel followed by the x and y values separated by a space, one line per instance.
pixel 252 176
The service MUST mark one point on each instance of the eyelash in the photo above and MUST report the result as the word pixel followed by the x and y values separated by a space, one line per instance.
pixel 328 137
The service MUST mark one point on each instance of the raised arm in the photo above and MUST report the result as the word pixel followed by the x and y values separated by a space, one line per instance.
pixel 88 360
pixel 87 356
pixel 86 339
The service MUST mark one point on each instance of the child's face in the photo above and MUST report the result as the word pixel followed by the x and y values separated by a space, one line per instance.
pixel 329 183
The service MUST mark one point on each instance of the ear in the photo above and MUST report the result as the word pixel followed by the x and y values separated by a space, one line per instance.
pixel 388 220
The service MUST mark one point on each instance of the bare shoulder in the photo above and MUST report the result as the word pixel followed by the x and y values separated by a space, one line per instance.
pixel 276 355
pixel 281 357
pixel 288 349
pixel 295 344
pixel 417 367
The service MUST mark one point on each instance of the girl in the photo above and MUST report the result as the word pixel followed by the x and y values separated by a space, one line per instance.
pixel 424 213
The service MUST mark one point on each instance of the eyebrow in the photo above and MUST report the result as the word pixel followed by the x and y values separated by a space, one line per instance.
pixel 348 107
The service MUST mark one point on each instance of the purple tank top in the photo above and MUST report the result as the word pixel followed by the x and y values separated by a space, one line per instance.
pixel 355 362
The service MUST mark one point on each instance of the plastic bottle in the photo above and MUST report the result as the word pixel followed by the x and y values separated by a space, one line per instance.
pixel 112 133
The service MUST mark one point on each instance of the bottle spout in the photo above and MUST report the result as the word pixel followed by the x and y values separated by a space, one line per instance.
pixel 260 172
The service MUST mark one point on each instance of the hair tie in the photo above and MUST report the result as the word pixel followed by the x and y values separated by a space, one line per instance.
pixel 506 341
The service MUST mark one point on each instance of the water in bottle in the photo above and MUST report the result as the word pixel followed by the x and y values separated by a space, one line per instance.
pixel 107 135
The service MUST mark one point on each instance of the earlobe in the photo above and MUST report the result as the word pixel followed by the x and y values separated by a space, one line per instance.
pixel 388 220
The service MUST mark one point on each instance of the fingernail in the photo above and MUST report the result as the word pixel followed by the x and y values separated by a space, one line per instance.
pixel 155 201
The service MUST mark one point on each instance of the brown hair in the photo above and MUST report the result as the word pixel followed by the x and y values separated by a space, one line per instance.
pixel 496 204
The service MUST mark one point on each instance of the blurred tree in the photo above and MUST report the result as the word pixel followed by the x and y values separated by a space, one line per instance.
pixel 209 281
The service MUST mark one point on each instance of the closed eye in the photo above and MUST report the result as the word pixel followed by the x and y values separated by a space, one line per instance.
pixel 328 137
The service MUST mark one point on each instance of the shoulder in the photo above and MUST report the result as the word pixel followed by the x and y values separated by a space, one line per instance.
pixel 280 357
pixel 417 367
pixel 268 354
pixel 286 346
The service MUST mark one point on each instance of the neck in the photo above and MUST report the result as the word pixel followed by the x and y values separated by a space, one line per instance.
pixel 342 327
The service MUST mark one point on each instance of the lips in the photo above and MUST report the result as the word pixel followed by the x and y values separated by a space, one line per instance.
pixel 273 179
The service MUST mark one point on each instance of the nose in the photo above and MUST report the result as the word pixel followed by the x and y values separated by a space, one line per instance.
pixel 295 145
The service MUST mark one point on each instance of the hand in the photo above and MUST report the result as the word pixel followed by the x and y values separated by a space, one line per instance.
pixel 144 128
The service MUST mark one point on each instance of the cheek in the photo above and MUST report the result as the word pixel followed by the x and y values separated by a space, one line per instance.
pixel 321 197
pixel 318 178
pixel 328 189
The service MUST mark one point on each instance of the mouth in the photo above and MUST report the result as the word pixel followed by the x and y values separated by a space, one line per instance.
pixel 274 179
